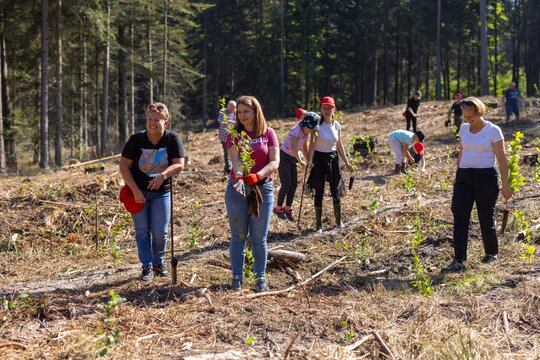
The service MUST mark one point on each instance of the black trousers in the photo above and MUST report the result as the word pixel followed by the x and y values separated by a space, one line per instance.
pixel 326 168
pixel 480 186
pixel 288 176
pixel 411 119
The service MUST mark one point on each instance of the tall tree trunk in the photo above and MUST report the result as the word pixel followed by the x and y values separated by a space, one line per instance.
pixel 397 67
pixel 9 141
pixel 95 105
pixel 44 115
pixel 204 105
pixel 132 77
pixel 105 102
pixel 409 56
pixel 59 88
pixel 496 40
pixel 122 85
pixel 427 75
pixel 483 49
pixel 165 51
pixel 374 99
pixel 460 46
pixel 438 54
pixel 282 57
pixel 2 145
pixel 150 55
pixel 83 116
pixel 386 88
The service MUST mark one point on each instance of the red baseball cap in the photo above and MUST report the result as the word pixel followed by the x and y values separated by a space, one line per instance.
pixel 328 100
pixel 299 113
pixel 127 197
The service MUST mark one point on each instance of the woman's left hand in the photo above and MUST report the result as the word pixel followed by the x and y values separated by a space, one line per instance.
pixel 156 182
pixel 506 192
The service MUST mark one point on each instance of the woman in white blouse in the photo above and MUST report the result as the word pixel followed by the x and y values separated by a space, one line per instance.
pixel 477 181
pixel 323 157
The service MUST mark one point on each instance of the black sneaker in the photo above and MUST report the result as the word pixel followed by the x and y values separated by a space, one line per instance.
pixel 455 266
pixel 160 270
pixel 489 259
pixel 147 274
pixel 289 214
pixel 236 284
pixel 260 285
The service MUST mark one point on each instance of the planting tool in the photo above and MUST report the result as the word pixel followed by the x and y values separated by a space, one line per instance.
pixel 302 196
pixel 174 259
pixel 351 181
pixel 506 213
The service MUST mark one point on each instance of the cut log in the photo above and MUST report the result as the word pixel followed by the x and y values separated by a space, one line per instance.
pixel 286 256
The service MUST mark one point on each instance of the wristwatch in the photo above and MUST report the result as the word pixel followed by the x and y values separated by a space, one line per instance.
pixel 164 176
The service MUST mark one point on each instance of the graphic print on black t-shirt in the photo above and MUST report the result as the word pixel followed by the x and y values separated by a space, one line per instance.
pixel 153 161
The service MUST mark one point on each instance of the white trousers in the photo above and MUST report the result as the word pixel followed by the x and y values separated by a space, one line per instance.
pixel 397 149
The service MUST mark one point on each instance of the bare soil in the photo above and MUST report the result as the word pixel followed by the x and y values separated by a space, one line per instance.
pixel 57 268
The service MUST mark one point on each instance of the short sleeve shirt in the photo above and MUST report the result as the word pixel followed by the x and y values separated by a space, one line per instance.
pixel 149 160
pixel 223 125
pixel 328 137
pixel 419 148
pixel 402 136
pixel 456 107
pixel 260 147
pixel 413 104
pixel 296 132
pixel 512 95
pixel 478 151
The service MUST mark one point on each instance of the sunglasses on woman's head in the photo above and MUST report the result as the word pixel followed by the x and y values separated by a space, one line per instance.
pixel 153 107
pixel 467 104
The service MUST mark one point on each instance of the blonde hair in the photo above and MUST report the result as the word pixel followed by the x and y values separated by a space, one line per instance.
pixel 159 108
pixel 259 123
pixel 479 107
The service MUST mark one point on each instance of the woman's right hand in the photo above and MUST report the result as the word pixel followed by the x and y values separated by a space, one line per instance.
pixel 506 192
pixel 139 197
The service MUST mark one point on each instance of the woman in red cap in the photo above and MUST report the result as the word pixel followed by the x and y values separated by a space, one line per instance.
pixel 148 161
pixel 323 157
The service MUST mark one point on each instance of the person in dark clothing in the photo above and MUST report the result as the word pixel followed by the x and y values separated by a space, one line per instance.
pixel 412 110
pixel 477 181
pixel 458 113
pixel 511 101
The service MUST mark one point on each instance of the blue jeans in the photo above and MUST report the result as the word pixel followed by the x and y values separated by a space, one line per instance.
pixel 243 225
pixel 226 160
pixel 151 225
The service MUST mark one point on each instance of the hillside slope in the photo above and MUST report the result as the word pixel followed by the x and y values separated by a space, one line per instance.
pixel 57 265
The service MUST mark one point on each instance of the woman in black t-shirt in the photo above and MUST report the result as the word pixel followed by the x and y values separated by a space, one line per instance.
pixel 148 161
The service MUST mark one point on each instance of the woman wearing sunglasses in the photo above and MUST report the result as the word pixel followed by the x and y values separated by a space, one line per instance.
pixel 477 181
pixel 148 161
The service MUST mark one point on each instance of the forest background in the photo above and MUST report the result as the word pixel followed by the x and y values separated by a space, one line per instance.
pixel 76 75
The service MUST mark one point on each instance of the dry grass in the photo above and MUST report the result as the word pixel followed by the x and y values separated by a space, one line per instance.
pixel 48 250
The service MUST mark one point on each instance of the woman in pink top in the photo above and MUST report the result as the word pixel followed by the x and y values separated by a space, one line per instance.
pixel 265 153
pixel 294 144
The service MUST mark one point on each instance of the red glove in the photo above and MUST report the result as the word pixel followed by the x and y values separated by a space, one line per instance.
pixel 252 179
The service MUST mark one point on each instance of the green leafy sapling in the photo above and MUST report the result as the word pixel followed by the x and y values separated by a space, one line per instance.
pixel 515 179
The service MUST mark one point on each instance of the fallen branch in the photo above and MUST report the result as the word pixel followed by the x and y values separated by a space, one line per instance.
pixel 358 343
pixel 286 256
pixel 385 349
pixel 90 162
pixel 303 283
pixel 290 346
pixel 13 344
